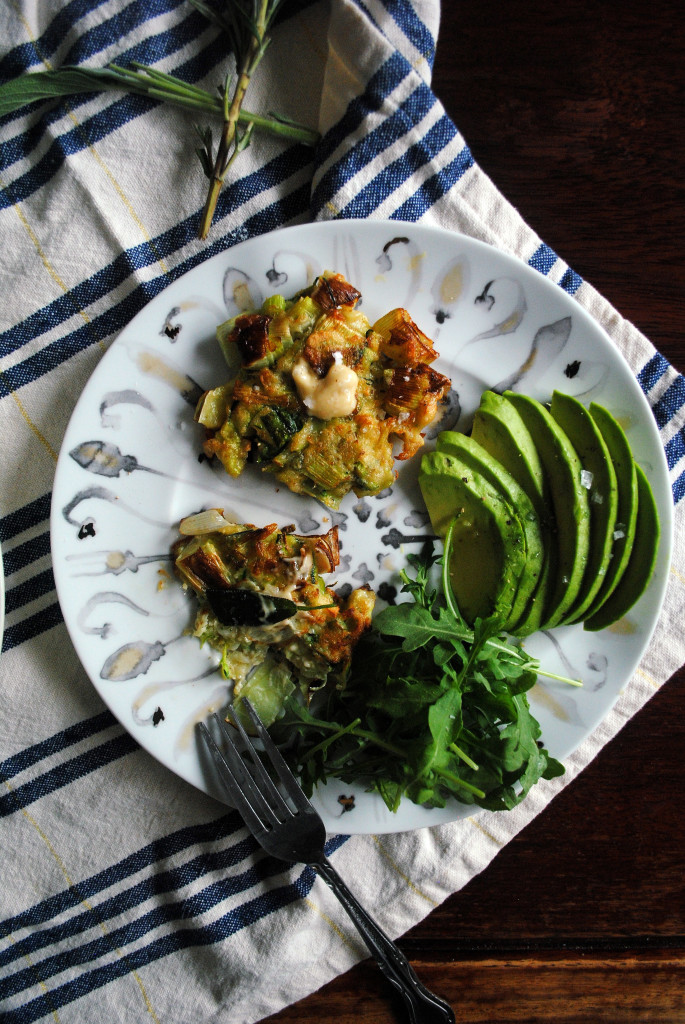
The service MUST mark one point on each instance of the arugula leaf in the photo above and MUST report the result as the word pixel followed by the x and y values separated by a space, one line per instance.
pixel 418 625
pixel 432 709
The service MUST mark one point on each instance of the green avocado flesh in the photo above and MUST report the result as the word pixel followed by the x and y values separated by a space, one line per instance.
pixel 488 554
pixel 555 523
pixel 473 456
pixel 638 572
pixel 628 498
pixel 570 504
pixel 498 428
pixel 600 483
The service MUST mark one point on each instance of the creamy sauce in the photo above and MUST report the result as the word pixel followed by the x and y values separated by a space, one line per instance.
pixel 302 570
pixel 334 395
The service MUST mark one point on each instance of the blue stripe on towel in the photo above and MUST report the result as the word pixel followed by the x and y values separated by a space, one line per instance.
pixel 32 626
pixel 670 402
pixel 543 259
pixel 102 122
pixel 148 51
pixel 652 372
pixel 30 590
pixel 157 884
pixel 24 518
pixel 189 908
pixel 570 281
pixel 23 554
pixel 117 316
pixel 377 141
pixel 397 172
pixel 675 449
pixel 379 86
pixel 160 849
pixel 32 755
pixel 66 773
pixel 25 55
pixel 404 15
pixel 167 912
pixel 434 188
pixel 182 938
pixel 125 21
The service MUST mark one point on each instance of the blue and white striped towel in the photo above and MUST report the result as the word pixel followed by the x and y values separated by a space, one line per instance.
pixel 125 895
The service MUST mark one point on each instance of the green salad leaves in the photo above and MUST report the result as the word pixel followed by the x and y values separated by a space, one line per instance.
pixel 432 708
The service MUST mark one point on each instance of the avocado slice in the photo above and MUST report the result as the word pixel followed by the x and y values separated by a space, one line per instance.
pixel 488 552
pixel 499 428
pixel 474 457
pixel 638 572
pixel 626 514
pixel 591 449
pixel 570 503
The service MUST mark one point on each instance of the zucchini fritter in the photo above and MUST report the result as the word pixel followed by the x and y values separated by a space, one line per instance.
pixel 265 606
pixel 322 399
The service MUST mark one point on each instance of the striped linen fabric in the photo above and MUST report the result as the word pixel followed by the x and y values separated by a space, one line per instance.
pixel 125 894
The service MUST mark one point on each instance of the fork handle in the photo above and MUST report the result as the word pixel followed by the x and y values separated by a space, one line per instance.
pixel 423 1006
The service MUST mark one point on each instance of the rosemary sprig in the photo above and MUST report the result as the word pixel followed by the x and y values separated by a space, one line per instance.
pixel 247 23
pixel 144 81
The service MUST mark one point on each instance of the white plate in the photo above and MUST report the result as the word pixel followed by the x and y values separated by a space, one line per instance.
pixel 487 313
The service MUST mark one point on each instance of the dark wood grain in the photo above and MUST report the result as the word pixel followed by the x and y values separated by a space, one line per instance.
pixel 575 110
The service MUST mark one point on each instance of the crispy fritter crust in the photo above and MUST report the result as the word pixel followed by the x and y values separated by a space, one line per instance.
pixel 262 417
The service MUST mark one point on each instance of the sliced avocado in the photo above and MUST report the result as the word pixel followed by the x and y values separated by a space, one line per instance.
pixel 473 456
pixel 600 482
pixel 488 553
pixel 571 537
pixel 626 514
pixel 499 428
pixel 638 572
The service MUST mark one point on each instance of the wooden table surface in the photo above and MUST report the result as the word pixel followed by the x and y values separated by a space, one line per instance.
pixel 574 109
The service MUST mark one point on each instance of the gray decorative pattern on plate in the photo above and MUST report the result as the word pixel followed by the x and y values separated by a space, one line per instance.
pixel 130 470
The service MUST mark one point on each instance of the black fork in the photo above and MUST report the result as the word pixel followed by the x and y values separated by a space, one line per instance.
pixel 289 828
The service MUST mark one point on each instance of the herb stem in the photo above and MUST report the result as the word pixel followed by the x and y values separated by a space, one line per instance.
pixel 464 756
pixel 560 679
pixel 339 732
pixel 351 729
pixel 456 781
pixel 446 583
pixel 69 81
pixel 248 64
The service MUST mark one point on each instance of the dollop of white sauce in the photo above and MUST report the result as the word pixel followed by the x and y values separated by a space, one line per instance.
pixel 334 395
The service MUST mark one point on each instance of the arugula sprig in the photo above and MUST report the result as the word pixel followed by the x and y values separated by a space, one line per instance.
pixel 432 708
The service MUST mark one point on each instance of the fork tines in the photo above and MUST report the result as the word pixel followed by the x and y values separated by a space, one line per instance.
pixel 251 787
